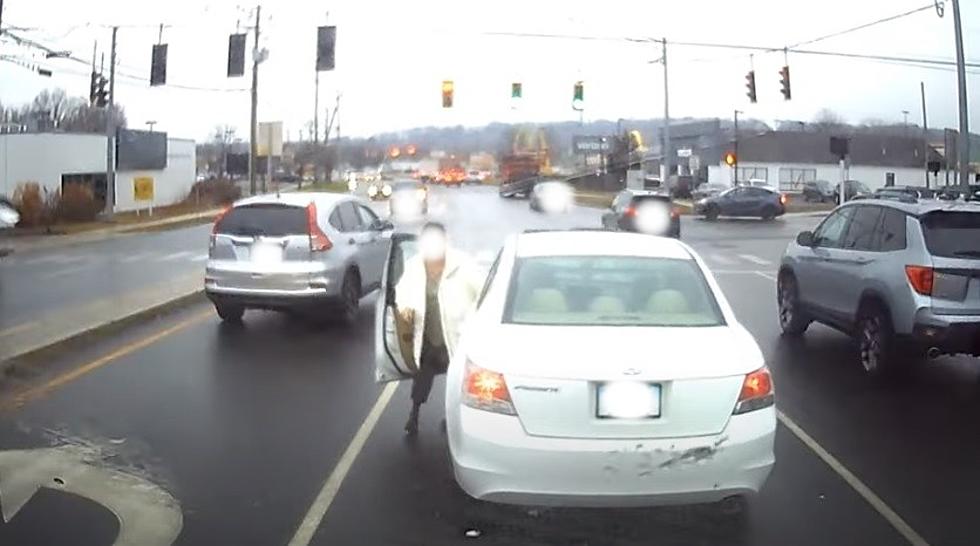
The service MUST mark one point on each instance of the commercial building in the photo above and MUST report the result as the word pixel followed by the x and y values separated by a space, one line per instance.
pixel 55 159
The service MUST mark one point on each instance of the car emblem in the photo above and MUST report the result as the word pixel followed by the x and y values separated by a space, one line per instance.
pixel 631 371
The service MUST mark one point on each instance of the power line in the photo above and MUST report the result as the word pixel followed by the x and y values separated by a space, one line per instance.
pixel 862 26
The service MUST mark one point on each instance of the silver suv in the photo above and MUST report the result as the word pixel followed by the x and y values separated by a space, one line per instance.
pixel 308 252
pixel 902 276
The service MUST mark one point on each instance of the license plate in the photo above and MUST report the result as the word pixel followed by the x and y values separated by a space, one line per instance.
pixel 627 400
pixel 266 253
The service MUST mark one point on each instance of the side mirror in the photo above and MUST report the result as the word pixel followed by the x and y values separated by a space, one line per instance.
pixel 805 238
pixel 382 225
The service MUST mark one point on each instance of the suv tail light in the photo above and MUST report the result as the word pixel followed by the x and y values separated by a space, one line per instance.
pixel 921 278
pixel 318 239
pixel 756 393
pixel 630 211
pixel 214 228
pixel 486 390
pixel 783 198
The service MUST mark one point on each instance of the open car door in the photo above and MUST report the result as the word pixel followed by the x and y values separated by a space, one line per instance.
pixel 393 357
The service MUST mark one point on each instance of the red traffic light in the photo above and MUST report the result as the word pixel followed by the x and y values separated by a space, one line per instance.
pixel 730 159
pixel 447 93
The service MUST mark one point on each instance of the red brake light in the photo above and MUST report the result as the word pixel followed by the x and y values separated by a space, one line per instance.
pixel 756 393
pixel 921 278
pixel 318 239
pixel 486 390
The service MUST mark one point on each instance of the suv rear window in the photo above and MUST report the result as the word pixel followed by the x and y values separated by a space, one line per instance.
pixel 610 291
pixel 650 198
pixel 269 220
pixel 952 234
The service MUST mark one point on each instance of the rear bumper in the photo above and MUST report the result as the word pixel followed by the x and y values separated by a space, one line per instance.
pixel 495 460
pixel 298 290
pixel 674 230
pixel 951 334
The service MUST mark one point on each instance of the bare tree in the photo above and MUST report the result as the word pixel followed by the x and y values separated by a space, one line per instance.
pixel 828 120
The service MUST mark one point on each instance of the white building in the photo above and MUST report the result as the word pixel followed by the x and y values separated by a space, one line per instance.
pixel 55 159
pixel 788 159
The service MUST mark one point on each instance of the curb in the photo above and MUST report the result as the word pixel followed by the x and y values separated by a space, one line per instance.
pixel 10 364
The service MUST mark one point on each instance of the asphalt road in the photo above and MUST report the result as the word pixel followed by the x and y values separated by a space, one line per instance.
pixel 243 426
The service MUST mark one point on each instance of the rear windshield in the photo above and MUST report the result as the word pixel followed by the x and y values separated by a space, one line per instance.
pixel 268 220
pixel 610 291
pixel 649 198
pixel 952 234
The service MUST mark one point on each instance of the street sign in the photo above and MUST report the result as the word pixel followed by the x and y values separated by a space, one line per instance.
pixel 684 152
pixel 270 138
pixel 143 188
pixel 591 144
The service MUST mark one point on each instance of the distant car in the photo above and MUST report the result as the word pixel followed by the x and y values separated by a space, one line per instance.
pixel 900 276
pixel 305 252
pixel 473 177
pixel 552 196
pixel 645 211
pixel 818 191
pixel 378 190
pixel 549 402
pixel 409 198
pixel 761 201
pixel 8 214
pixel 518 188
pixel 855 190
pixel 708 189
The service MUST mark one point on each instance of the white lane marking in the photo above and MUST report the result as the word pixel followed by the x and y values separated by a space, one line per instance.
pixel 19 328
pixel 176 256
pixel 754 259
pixel 138 257
pixel 864 491
pixel 63 272
pixel 722 259
pixel 765 275
pixel 304 533
pixel 199 258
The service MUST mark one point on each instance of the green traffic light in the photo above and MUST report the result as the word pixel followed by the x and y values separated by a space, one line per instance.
pixel 515 90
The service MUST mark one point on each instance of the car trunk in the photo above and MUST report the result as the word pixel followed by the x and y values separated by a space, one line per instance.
pixel 264 246
pixel 554 375
pixel 953 240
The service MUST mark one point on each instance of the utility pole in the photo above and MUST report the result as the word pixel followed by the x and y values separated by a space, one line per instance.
pixel 110 133
pixel 735 166
pixel 964 147
pixel 253 126
pixel 316 108
pixel 668 156
pixel 925 132
pixel 905 123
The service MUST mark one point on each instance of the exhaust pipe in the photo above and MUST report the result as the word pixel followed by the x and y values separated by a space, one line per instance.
pixel 933 353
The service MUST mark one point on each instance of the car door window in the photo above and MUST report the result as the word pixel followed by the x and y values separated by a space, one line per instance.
pixel 349 218
pixel 368 217
pixel 335 220
pixel 831 231
pixel 862 231
pixel 892 230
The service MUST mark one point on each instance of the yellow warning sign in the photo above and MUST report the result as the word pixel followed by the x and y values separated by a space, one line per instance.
pixel 143 188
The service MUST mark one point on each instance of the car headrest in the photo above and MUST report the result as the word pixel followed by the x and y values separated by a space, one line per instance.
pixel 546 300
pixel 667 302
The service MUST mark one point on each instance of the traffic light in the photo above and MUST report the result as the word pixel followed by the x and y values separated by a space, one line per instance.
pixel 158 65
pixel 236 55
pixel 101 93
pixel 93 88
pixel 730 159
pixel 784 81
pixel 516 90
pixel 750 84
pixel 579 92
pixel 447 93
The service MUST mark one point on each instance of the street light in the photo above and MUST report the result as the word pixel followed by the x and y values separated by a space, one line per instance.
pixel 150 124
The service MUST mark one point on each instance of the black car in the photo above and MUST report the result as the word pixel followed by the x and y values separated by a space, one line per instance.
pixel 763 202
pixel 643 211
pixel 855 190
pixel 818 191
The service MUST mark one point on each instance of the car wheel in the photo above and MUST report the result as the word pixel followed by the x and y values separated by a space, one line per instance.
pixel 350 297
pixel 711 213
pixel 230 313
pixel 792 318
pixel 875 341
pixel 768 213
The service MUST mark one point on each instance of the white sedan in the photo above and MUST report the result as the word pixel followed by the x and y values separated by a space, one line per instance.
pixel 607 369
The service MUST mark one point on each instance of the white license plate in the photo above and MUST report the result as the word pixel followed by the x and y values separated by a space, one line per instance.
pixel 266 253
pixel 627 400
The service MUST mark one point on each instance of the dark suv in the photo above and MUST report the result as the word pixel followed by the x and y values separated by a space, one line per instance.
pixel 900 275
pixel 644 211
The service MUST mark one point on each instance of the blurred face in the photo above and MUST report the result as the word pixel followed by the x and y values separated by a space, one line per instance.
pixel 432 245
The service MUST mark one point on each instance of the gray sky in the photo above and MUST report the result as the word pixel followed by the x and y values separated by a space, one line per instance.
pixel 392 57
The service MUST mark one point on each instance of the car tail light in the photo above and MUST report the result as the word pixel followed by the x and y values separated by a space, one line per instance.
pixel 756 393
pixel 318 239
pixel 486 390
pixel 630 211
pixel 921 278
pixel 218 218
pixel 783 198
pixel 675 213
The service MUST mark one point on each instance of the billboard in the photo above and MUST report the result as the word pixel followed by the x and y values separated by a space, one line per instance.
pixel 141 150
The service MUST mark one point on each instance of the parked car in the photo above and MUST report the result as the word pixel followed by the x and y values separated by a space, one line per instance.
pixel 855 190
pixel 898 275
pixel 549 402
pixel 306 252
pixel 552 196
pixel 708 189
pixel 818 191
pixel 645 211
pixel 763 202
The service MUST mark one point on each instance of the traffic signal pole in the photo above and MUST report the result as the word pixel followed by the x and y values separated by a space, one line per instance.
pixel 668 156
pixel 964 144
pixel 110 130
pixel 735 164
pixel 253 125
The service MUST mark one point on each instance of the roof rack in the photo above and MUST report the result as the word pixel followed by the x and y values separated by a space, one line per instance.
pixel 900 196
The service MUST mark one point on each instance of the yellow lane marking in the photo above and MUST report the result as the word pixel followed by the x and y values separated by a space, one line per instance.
pixel 310 523
pixel 33 393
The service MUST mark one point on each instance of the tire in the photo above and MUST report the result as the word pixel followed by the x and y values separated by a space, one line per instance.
pixel 711 213
pixel 350 297
pixel 230 313
pixel 792 319
pixel 876 341
pixel 768 213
